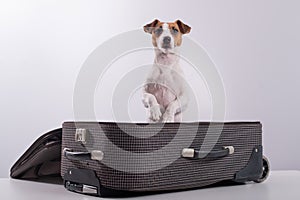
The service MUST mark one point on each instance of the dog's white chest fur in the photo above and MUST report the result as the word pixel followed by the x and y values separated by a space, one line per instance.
pixel 162 83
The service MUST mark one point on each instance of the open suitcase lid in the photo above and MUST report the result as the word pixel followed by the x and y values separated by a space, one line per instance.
pixel 42 160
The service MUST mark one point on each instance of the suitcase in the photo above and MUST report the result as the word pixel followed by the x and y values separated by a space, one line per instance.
pixel 120 159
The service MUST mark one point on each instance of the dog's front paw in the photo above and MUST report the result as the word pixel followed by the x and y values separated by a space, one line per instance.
pixel 155 112
pixel 168 118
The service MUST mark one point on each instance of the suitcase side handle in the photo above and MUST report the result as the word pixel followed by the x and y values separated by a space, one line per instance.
pixel 83 156
pixel 186 153
pixel 196 154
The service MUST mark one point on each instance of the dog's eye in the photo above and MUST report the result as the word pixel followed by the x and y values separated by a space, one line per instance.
pixel 158 31
pixel 174 30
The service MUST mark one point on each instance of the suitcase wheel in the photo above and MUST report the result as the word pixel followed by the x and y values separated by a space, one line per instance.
pixel 266 170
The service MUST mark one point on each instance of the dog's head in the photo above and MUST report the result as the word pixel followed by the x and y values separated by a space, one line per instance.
pixel 166 36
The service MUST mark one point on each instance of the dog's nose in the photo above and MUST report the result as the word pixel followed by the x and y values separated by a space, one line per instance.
pixel 167 39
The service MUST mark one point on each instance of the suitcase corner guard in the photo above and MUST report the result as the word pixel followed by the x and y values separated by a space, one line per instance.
pixel 257 169
pixel 85 181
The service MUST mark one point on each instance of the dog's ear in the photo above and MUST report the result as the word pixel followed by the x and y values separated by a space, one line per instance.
pixel 184 29
pixel 148 28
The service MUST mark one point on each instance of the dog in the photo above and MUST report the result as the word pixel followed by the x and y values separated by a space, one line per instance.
pixel 165 89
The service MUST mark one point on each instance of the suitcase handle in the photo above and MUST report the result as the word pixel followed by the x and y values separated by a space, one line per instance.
pixel 196 154
pixel 186 153
pixel 83 156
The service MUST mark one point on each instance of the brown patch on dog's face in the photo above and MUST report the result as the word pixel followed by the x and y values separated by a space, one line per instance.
pixel 166 35
pixel 176 33
pixel 155 28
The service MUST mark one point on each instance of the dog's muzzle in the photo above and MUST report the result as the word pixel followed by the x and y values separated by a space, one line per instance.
pixel 166 42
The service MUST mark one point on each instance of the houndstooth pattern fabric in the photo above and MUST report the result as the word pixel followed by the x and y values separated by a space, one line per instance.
pixel 181 173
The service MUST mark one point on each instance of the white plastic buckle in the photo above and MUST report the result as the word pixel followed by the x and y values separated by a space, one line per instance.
pixel 188 153
pixel 81 135
pixel 230 148
pixel 97 155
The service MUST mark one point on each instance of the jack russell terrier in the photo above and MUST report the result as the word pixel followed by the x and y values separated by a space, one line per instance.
pixel 165 89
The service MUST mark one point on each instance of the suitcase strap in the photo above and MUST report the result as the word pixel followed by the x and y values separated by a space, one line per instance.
pixel 82 156
pixel 186 153
pixel 197 154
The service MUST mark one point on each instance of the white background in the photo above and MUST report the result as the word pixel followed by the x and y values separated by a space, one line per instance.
pixel 255 45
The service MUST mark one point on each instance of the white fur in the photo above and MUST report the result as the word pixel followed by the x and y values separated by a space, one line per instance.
pixel 159 40
pixel 165 92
